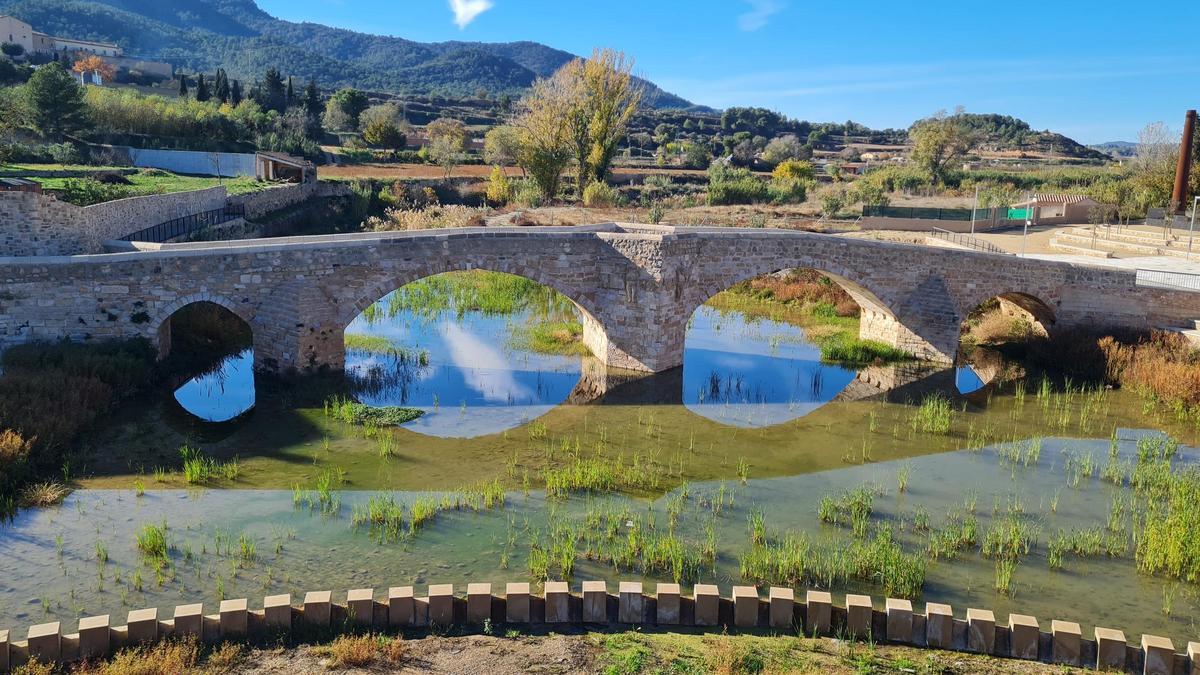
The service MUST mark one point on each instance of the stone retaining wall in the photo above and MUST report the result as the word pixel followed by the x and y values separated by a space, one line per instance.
pixel 744 608
pixel 259 204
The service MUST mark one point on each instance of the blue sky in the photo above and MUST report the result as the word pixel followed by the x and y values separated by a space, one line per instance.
pixel 1096 71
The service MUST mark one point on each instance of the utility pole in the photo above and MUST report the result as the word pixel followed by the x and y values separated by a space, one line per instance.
pixel 974 207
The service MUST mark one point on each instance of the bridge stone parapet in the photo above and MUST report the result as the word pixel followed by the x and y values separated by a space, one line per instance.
pixel 636 286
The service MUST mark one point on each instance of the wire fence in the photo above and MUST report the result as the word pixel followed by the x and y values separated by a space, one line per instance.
pixel 188 224
pixel 1177 281
pixel 934 213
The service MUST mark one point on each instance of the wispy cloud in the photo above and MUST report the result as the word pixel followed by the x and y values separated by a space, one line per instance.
pixel 466 11
pixel 760 12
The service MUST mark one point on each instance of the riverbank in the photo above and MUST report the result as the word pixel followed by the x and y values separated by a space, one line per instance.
pixel 623 653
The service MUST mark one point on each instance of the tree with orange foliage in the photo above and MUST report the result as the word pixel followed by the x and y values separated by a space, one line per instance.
pixel 93 64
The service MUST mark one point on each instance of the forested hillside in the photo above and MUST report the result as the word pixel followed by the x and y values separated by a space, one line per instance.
pixel 202 35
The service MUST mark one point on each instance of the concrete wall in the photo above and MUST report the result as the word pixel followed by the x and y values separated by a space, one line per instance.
pixel 39 225
pixel 193 163
pixel 259 204
pixel 637 286
pixel 629 605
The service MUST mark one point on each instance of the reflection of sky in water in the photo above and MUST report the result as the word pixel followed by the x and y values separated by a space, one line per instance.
pixel 223 394
pixel 754 374
pixel 473 383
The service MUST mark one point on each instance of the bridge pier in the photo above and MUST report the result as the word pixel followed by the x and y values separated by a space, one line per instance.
pixel 938 344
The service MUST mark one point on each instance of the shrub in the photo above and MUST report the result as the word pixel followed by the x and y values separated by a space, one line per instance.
pixel 499 188
pixel 89 191
pixel 599 195
pixel 788 191
pixel 794 169
pixel 527 194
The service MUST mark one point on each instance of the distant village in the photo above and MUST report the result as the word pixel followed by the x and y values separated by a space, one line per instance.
pixel 27 44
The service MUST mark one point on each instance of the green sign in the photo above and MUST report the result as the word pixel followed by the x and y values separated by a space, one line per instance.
pixel 1019 214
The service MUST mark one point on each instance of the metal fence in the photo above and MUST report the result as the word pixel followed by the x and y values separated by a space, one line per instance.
pixel 1176 281
pixel 968 241
pixel 188 224
pixel 932 213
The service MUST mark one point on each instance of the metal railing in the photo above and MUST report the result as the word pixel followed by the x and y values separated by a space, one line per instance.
pixel 924 213
pixel 179 227
pixel 1176 281
pixel 968 241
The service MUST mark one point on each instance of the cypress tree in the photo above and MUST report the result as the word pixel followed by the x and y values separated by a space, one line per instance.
pixel 291 93
pixel 222 87
pixel 235 93
pixel 312 99
pixel 183 88
pixel 202 89
pixel 273 95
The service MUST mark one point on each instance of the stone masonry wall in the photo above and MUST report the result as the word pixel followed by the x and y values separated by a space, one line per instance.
pixel 637 286
pixel 261 203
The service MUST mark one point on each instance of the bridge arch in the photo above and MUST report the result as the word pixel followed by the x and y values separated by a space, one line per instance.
pixel 1007 316
pixel 160 327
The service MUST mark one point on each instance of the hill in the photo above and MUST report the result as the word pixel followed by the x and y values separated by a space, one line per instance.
pixel 1004 133
pixel 1117 148
pixel 202 35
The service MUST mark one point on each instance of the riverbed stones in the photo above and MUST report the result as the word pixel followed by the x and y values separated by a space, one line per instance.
pixel 142 625
pixel 45 642
pixel 707 600
pixel 630 606
pixel 401 608
pixel 95 638
pixel 595 602
pixel 819 605
pixel 899 620
pixel 517 602
pixel 939 625
pixel 558 602
pixel 859 611
pixel 277 611
pixel 1159 654
pixel 981 631
pixel 1111 649
pixel 189 620
pixel 1025 634
pixel 318 608
pixel 667 611
pixel 441 605
pixel 782 610
pixel 235 617
pixel 360 602
pixel 479 603
pixel 1066 641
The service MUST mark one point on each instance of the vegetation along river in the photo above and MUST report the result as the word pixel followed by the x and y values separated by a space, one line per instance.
pixel 473 438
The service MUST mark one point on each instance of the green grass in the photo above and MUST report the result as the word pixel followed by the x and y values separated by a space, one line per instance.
pixel 353 412
pixel 199 469
pixel 842 348
pixel 152 542
pixel 159 182
pixel 934 415
pixel 551 337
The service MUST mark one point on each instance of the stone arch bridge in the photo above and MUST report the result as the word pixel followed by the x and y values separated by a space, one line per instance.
pixel 636 286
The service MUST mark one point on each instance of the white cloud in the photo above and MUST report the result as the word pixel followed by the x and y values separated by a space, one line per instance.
pixel 760 12
pixel 465 11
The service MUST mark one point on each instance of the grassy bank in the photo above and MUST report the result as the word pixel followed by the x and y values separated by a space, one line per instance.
pixel 808 299
pixel 88 191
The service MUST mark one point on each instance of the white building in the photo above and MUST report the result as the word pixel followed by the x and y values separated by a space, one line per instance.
pixel 15 31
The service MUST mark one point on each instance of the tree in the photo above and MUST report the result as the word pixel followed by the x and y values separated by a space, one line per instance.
pixel 235 94
pixel 222 86
pixel 782 149
pixel 447 141
pixel 544 131
pixel 939 142
pixel 183 86
pixel 274 92
pixel 12 49
pixel 349 104
pixel 696 156
pixel 613 96
pixel 93 64
pixel 54 101
pixel 1154 167
pixel 291 92
pixel 502 145
pixel 794 169
pixel 499 188
pixel 384 133
pixel 202 93
pixel 312 99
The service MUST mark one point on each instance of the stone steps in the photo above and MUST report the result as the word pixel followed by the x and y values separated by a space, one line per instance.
pixel 1079 250
pixel 1087 242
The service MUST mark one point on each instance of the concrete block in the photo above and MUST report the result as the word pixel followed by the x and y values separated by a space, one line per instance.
pixel 1160 655
pixel 401 609
pixel 95 638
pixel 1025 633
pixel 667 597
pixel 745 606
pixel 981 631
pixel 1067 637
pixel 479 603
pixel 939 625
pixel 360 602
pixel 782 607
pixel 5 659
pixel 45 642
pixel 820 612
pixel 318 608
pixel 441 605
pixel 142 625
pixel 277 611
pixel 189 620
pixel 1111 649
pixel 631 606
pixel 516 602
pixel 1193 654
pixel 899 620
pixel 708 604
pixel 558 602
pixel 858 615
pixel 595 602
pixel 235 617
